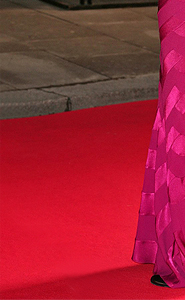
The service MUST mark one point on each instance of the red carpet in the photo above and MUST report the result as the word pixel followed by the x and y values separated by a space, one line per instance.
pixel 70 194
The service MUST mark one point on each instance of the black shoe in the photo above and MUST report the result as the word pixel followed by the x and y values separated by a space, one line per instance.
pixel 157 280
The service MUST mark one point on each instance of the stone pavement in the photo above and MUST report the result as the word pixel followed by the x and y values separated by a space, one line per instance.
pixel 54 60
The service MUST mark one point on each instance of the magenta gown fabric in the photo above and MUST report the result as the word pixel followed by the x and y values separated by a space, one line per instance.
pixel 160 235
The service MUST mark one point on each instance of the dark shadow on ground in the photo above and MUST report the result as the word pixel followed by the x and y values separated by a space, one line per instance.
pixel 126 283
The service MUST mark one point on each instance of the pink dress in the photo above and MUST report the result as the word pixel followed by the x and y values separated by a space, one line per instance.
pixel 160 235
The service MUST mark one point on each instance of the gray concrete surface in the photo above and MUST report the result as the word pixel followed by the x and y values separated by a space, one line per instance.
pixel 53 60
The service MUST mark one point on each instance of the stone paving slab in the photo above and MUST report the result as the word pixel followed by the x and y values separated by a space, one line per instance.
pixel 85 47
pixel 150 12
pixel 103 16
pixel 5 87
pixel 14 46
pixel 26 25
pixel 7 5
pixel 35 102
pixel 134 32
pixel 121 65
pixel 138 26
pixel 110 51
pixel 109 92
pixel 19 104
pixel 32 4
pixel 38 69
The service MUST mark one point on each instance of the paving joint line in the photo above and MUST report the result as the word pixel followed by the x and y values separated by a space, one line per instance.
pixel 68 60
pixel 81 83
pixel 94 30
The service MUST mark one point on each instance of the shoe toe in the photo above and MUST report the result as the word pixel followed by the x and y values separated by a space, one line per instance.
pixel 157 280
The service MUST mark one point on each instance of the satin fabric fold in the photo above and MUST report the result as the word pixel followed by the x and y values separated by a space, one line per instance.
pixel 160 237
